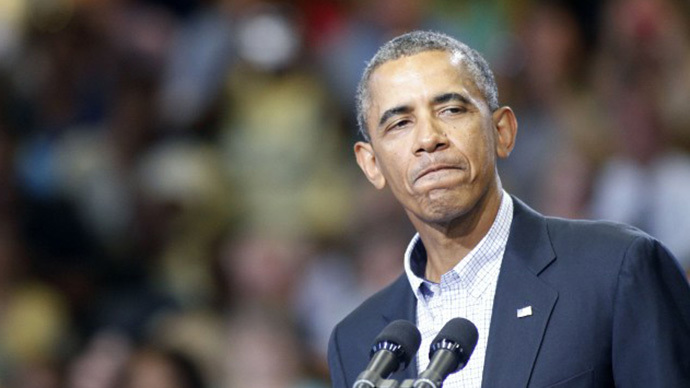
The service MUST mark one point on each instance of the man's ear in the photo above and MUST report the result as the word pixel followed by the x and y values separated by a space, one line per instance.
pixel 366 158
pixel 506 128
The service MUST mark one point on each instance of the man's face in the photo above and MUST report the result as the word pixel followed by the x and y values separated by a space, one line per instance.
pixel 434 139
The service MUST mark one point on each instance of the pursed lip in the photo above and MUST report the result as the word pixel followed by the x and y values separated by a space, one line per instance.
pixel 436 167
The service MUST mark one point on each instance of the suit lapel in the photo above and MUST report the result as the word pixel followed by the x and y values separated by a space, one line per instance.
pixel 403 305
pixel 514 341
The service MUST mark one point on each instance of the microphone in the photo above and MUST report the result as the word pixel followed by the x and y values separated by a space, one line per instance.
pixel 392 350
pixel 449 352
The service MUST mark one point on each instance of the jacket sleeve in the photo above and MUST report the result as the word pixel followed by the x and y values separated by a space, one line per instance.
pixel 335 365
pixel 651 321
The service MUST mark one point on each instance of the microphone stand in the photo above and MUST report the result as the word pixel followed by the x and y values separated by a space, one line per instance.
pixel 391 383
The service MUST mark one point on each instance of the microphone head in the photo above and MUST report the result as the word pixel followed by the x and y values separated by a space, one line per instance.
pixel 459 336
pixel 400 337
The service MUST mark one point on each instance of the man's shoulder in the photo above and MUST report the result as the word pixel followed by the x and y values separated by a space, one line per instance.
pixel 369 312
pixel 593 234
pixel 580 242
pixel 351 339
pixel 602 249
pixel 579 232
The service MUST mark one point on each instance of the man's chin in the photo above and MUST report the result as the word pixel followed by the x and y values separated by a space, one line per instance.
pixel 446 206
pixel 443 213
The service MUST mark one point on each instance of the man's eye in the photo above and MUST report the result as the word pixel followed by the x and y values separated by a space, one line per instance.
pixel 453 110
pixel 400 124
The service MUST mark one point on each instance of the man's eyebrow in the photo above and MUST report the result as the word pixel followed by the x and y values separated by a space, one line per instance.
pixel 447 97
pixel 392 112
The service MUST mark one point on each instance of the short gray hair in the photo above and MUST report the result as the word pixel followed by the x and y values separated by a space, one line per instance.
pixel 417 42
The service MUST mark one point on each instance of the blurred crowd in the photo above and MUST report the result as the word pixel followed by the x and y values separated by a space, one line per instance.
pixel 179 204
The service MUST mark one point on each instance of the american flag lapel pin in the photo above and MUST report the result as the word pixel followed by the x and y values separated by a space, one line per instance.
pixel 524 312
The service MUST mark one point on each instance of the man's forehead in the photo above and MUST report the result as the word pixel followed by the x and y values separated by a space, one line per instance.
pixel 458 59
pixel 421 73
pixel 452 58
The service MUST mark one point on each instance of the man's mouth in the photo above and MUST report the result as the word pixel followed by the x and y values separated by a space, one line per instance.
pixel 437 168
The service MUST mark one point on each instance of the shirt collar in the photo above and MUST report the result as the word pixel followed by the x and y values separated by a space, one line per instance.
pixel 487 255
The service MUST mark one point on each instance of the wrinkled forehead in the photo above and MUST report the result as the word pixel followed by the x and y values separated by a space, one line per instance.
pixel 424 73
pixel 455 57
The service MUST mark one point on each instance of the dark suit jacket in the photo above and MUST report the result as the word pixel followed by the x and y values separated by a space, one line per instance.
pixel 611 307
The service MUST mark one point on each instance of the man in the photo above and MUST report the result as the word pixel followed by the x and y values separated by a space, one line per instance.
pixel 557 303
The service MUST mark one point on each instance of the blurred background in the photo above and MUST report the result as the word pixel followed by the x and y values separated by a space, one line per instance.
pixel 179 203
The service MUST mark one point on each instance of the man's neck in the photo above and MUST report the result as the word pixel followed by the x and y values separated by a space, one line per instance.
pixel 448 244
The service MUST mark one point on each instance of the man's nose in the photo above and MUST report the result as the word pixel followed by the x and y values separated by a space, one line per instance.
pixel 431 137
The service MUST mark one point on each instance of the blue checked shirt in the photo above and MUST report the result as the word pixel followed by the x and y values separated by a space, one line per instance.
pixel 465 291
